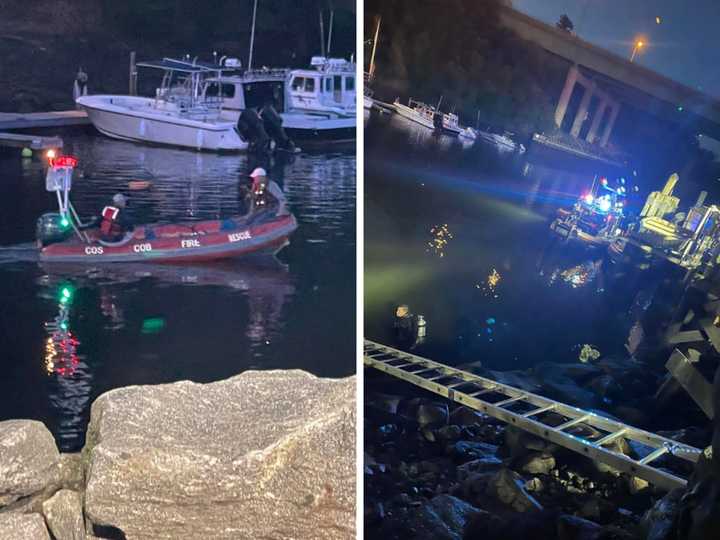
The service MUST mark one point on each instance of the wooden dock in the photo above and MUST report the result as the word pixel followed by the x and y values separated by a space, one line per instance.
pixel 42 119
pixel 34 142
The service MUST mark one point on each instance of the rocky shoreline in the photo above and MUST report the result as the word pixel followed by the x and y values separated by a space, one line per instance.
pixel 437 470
pixel 265 454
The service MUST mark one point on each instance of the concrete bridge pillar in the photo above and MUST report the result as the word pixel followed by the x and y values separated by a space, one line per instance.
pixel 597 119
pixel 611 123
pixel 582 112
pixel 566 94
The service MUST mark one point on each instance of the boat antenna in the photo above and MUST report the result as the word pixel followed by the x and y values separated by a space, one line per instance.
pixel 332 16
pixel 322 35
pixel 375 42
pixel 438 105
pixel 477 122
pixel 252 36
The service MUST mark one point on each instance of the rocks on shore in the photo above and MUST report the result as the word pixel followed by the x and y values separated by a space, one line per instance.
pixel 16 526
pixel 504 484
pixel 29 460
pixel 261 455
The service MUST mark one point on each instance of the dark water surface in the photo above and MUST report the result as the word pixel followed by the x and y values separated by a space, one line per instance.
pixel 461 235
pixel 143 324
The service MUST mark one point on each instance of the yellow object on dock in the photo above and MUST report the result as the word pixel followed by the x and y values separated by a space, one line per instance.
pixel 660 226
pixel 661 203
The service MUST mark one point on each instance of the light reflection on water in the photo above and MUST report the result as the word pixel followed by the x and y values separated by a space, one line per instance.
pixel 491 297
pixel 143 324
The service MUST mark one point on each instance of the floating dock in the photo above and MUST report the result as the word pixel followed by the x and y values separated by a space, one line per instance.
pixel 43 119
pixel 34 142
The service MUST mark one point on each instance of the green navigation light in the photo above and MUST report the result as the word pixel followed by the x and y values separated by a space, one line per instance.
pixel 66 293
pixel 153 325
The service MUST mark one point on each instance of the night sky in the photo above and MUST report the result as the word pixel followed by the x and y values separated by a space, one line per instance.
pixel 685 45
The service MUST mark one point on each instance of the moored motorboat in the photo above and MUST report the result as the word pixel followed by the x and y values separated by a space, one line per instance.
pixel 178 115
pixel 314 104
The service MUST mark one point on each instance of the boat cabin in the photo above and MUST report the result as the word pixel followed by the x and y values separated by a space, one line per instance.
pixel 327 89
pixel 330 86
pixel 252 89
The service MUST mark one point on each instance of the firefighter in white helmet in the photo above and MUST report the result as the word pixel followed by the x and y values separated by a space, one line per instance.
pixel 114 223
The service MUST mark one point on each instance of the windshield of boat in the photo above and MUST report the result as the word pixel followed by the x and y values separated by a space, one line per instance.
pixel 258 94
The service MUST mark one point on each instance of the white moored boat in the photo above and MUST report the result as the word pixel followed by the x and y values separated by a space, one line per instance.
pixel 178 115
pixel 428 116
pixel 417 111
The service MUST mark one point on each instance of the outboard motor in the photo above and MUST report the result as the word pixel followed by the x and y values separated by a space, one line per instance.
pixel 274 128
pixel 52 228
pixel 251 128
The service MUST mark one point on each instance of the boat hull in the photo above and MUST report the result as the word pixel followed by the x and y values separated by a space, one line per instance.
pixel 410 114
pixel 133 118
pixel 190 242
pixel 309 127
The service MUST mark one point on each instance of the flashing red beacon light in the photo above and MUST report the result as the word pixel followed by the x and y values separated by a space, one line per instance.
pixel 64 161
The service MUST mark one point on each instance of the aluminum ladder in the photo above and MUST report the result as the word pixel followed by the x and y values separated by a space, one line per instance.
pixel 525 410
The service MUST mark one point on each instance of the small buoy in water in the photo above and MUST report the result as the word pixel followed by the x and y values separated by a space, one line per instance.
pixel 139 184
pixel 26 152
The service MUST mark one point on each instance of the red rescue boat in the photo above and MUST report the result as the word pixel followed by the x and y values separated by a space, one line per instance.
pixel 181 242
pixel 64 238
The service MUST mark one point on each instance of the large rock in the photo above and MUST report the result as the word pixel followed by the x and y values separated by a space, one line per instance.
pixel 537 463
pixel 442 518
pixel 17 526
pixel 508 487
pixel 28 459
pixel 261 455
pixel 575 528
pixel 64 515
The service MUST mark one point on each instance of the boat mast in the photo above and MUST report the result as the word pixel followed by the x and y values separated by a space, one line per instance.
pixel 252 36
pixel 375 42
pixel 332 16
pixel 322 35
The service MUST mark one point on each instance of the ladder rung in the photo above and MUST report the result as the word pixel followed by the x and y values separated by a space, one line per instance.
pixel 571 423
pixel 422 371
pixel 508 401
pixel 481 392
pixel 442 376
pixel 654 455
pixel 607 439
pixel 540 410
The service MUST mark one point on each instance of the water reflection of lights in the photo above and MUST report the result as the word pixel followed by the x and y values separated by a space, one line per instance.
pixel 441 235
pixel 61 354
pixel 577 276
pixel 70 379
pixel 490 285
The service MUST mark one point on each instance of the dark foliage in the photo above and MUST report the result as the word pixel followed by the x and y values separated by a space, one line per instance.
pixel 565 24
pixel 44 42
pixel 458 50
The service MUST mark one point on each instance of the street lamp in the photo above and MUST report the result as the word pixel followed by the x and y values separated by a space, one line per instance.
pixel 639 44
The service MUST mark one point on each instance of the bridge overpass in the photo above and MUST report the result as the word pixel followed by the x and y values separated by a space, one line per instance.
pixel 613 80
